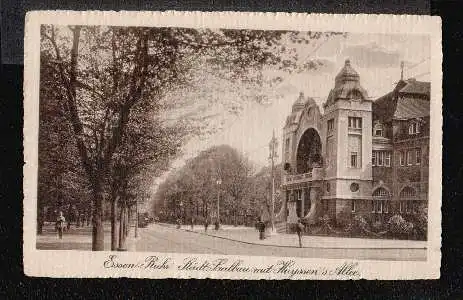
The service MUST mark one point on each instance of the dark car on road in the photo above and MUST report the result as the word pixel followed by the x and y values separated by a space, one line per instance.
pixel 142 221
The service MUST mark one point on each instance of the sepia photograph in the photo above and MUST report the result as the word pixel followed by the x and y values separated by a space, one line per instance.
pixel 222 141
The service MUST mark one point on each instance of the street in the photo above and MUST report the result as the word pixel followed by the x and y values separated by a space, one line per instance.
pixel 159 238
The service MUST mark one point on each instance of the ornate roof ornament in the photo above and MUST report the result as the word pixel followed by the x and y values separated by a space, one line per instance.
pixel 346 74
pixel 300 102
pixel 347 86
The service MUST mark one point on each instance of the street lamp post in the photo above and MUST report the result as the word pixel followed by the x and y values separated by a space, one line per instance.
pixel 273 154
pixel 136 217
pixel 181 212
pixel 219 182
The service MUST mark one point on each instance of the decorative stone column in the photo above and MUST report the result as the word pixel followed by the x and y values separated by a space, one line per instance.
pixel 315 207
pixel 292 217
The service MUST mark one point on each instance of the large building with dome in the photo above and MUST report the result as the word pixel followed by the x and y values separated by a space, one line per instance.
pixel 359 156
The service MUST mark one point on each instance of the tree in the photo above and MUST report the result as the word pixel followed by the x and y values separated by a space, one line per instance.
pixel 235 172
pixel 195 184
pixel 100 91
pixel 62 180
pixel 145 143
pixel 262 189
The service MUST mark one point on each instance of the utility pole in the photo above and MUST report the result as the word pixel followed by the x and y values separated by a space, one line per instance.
pixel 273 146
pixel 401 70
pixel 219 182
pixel 136 217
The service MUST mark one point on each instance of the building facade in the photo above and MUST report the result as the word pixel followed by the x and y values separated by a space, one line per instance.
pixel 358 156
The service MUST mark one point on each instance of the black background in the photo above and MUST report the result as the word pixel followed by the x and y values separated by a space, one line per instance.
pixel 13 283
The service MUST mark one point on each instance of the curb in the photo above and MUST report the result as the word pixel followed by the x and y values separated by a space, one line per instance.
pixel 303 247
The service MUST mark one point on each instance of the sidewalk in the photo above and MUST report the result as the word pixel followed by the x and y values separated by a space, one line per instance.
pixel 251 236
pixel 78 238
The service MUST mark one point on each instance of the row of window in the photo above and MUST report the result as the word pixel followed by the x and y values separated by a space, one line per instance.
pixel 353 123
pixel 413 128
pixel 383 206
pixel 410 157
pixel 381 158
pixel 406 158
pixel 406 192
pixel 378 131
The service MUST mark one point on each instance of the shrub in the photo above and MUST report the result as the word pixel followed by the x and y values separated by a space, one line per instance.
pixel 399 227
pixel 361 222
pixel 358 225
pixel 377 226
pixel 420 219
pixel 325 220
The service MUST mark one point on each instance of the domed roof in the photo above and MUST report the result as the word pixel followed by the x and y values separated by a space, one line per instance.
pixel 347 73
pixel 301 102
pixel 347 86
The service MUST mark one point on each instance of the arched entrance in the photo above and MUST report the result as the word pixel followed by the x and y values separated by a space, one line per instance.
pixel 308 151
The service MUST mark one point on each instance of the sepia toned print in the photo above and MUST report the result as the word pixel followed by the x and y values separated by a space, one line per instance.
pixel 212 150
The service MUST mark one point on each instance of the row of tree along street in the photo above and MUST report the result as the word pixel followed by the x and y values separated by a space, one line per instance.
pixel 101 137
pixel 218 180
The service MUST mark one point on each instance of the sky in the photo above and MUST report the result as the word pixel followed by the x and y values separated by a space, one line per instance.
pixel 375 57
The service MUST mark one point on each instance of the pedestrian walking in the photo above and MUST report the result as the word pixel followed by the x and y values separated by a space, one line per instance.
pixel 60 224
pixel 206 224
pixel 192 223
pixel 179 223
pixel 299 230
pixel 261 228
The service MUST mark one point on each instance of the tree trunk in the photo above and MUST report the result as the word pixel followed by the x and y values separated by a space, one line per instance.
pixel 122 228
pixel 113 224
pixel 97 220
pixel 40 220
pixel 129 217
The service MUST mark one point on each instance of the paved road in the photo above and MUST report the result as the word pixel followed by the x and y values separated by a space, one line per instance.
pixel 157 238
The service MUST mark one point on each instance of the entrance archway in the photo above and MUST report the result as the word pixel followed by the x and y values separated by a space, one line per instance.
pixel 308 151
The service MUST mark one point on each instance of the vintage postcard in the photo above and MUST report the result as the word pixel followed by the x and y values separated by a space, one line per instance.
pixel 232 145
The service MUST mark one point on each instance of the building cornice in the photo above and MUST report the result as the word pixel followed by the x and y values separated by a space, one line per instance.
pixel 349 178
pixel 411 139
pixel 347 197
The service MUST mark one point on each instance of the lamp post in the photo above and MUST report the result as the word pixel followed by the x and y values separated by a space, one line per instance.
pixel 181 211
pixel 272 155
pixel 136 217
pixel 218 182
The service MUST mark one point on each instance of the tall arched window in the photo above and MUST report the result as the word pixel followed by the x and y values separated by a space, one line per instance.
pixel 381 200
pixel 407 192
pixel 381 192
pixel 407 200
